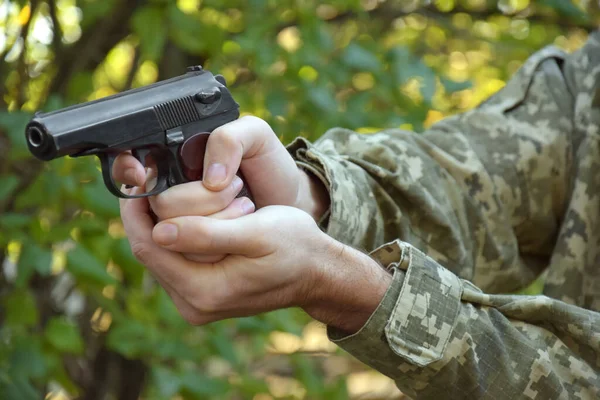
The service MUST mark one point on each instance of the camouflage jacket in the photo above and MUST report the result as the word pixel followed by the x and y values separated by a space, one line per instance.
pixel 477 207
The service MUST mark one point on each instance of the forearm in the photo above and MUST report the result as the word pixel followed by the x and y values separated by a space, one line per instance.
pixel 349 285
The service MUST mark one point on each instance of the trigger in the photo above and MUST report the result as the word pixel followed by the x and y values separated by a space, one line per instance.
pixel 191 154
pixel 140 155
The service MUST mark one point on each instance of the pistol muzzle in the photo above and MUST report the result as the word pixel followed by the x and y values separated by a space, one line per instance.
pixel 40 142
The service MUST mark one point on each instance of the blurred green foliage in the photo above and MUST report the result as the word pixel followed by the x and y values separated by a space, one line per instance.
pixel 80 318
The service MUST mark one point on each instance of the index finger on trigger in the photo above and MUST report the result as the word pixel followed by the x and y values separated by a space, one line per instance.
pixel 128 170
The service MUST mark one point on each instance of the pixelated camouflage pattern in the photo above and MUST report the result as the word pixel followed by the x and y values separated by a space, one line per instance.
pixel 479 205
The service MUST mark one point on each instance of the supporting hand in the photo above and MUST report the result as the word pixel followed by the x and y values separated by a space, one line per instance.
pixel 277 258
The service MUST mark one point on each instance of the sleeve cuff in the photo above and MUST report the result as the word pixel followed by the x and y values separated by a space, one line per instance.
pixel 349 219
pixel 416 317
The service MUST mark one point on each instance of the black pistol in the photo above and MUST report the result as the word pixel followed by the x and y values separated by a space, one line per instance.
pixel 165 124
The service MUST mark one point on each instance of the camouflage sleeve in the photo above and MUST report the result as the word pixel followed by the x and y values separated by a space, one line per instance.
pixel 440 337
pixel 482 194
pixel 485 188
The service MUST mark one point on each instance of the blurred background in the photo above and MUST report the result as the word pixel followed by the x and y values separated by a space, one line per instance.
pixel 79 317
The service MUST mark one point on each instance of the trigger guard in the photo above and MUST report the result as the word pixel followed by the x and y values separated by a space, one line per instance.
pixel 140 155
pixel 107 161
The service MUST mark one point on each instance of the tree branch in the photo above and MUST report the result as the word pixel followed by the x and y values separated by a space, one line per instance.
pixel 89 51
pixel 134 67
pixel 22 69
pixel 56 31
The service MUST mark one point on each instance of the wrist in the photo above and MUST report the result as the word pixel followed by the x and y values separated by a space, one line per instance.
pixel 313 197
pixel 348 286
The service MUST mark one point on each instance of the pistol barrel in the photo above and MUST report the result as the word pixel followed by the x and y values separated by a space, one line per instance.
pixel 134 118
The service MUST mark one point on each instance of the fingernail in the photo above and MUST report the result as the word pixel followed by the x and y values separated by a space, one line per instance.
pixel 237 183
pixel 216 174
pixel 247 206
pixel 165 234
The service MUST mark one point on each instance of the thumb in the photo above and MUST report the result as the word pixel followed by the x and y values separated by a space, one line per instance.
pixel 205 235
pixel 229 144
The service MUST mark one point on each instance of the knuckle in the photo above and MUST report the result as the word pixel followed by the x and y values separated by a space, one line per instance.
pixel 201 231
pixel 213 242
pixel 205 304
pixel 160 205
pixel 224 198
pixel 142 252
pixel 251 118
pixel 223 135
pixel 260 123
pixel 191 317
pixel 224 138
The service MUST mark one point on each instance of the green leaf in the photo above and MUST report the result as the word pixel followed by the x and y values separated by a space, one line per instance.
pixel 322 98
pixel 175 349
pixel 401 64
pixel 80 86
pixel 187 32
pixel 14 123
pixel 132 339
pixel 337 391
pixel 404 67
pixel 122 256
pixel 201 386
pixel 358 57
pixel 453 86
pixel 307 374
pixel 224 345
pixel 535 288
pixel 428 83
pixel 54 363
pixel 13 221
pixel 149 25
pixel 7 185
pixel 96 198
pixel 33 258
pixel 566 8
pixel 55 102
pixel 167 382
pixel 94 10
pixel 286 320
pixel 254 324
pixel 98 245
pixel 85 267
pixel 64 336
pixel 27 358
pixel 18 388
pixel 137 306
pixel 276 103
pixel 167 311
pixel 20 308
pixel 251 386
pixel 46 186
